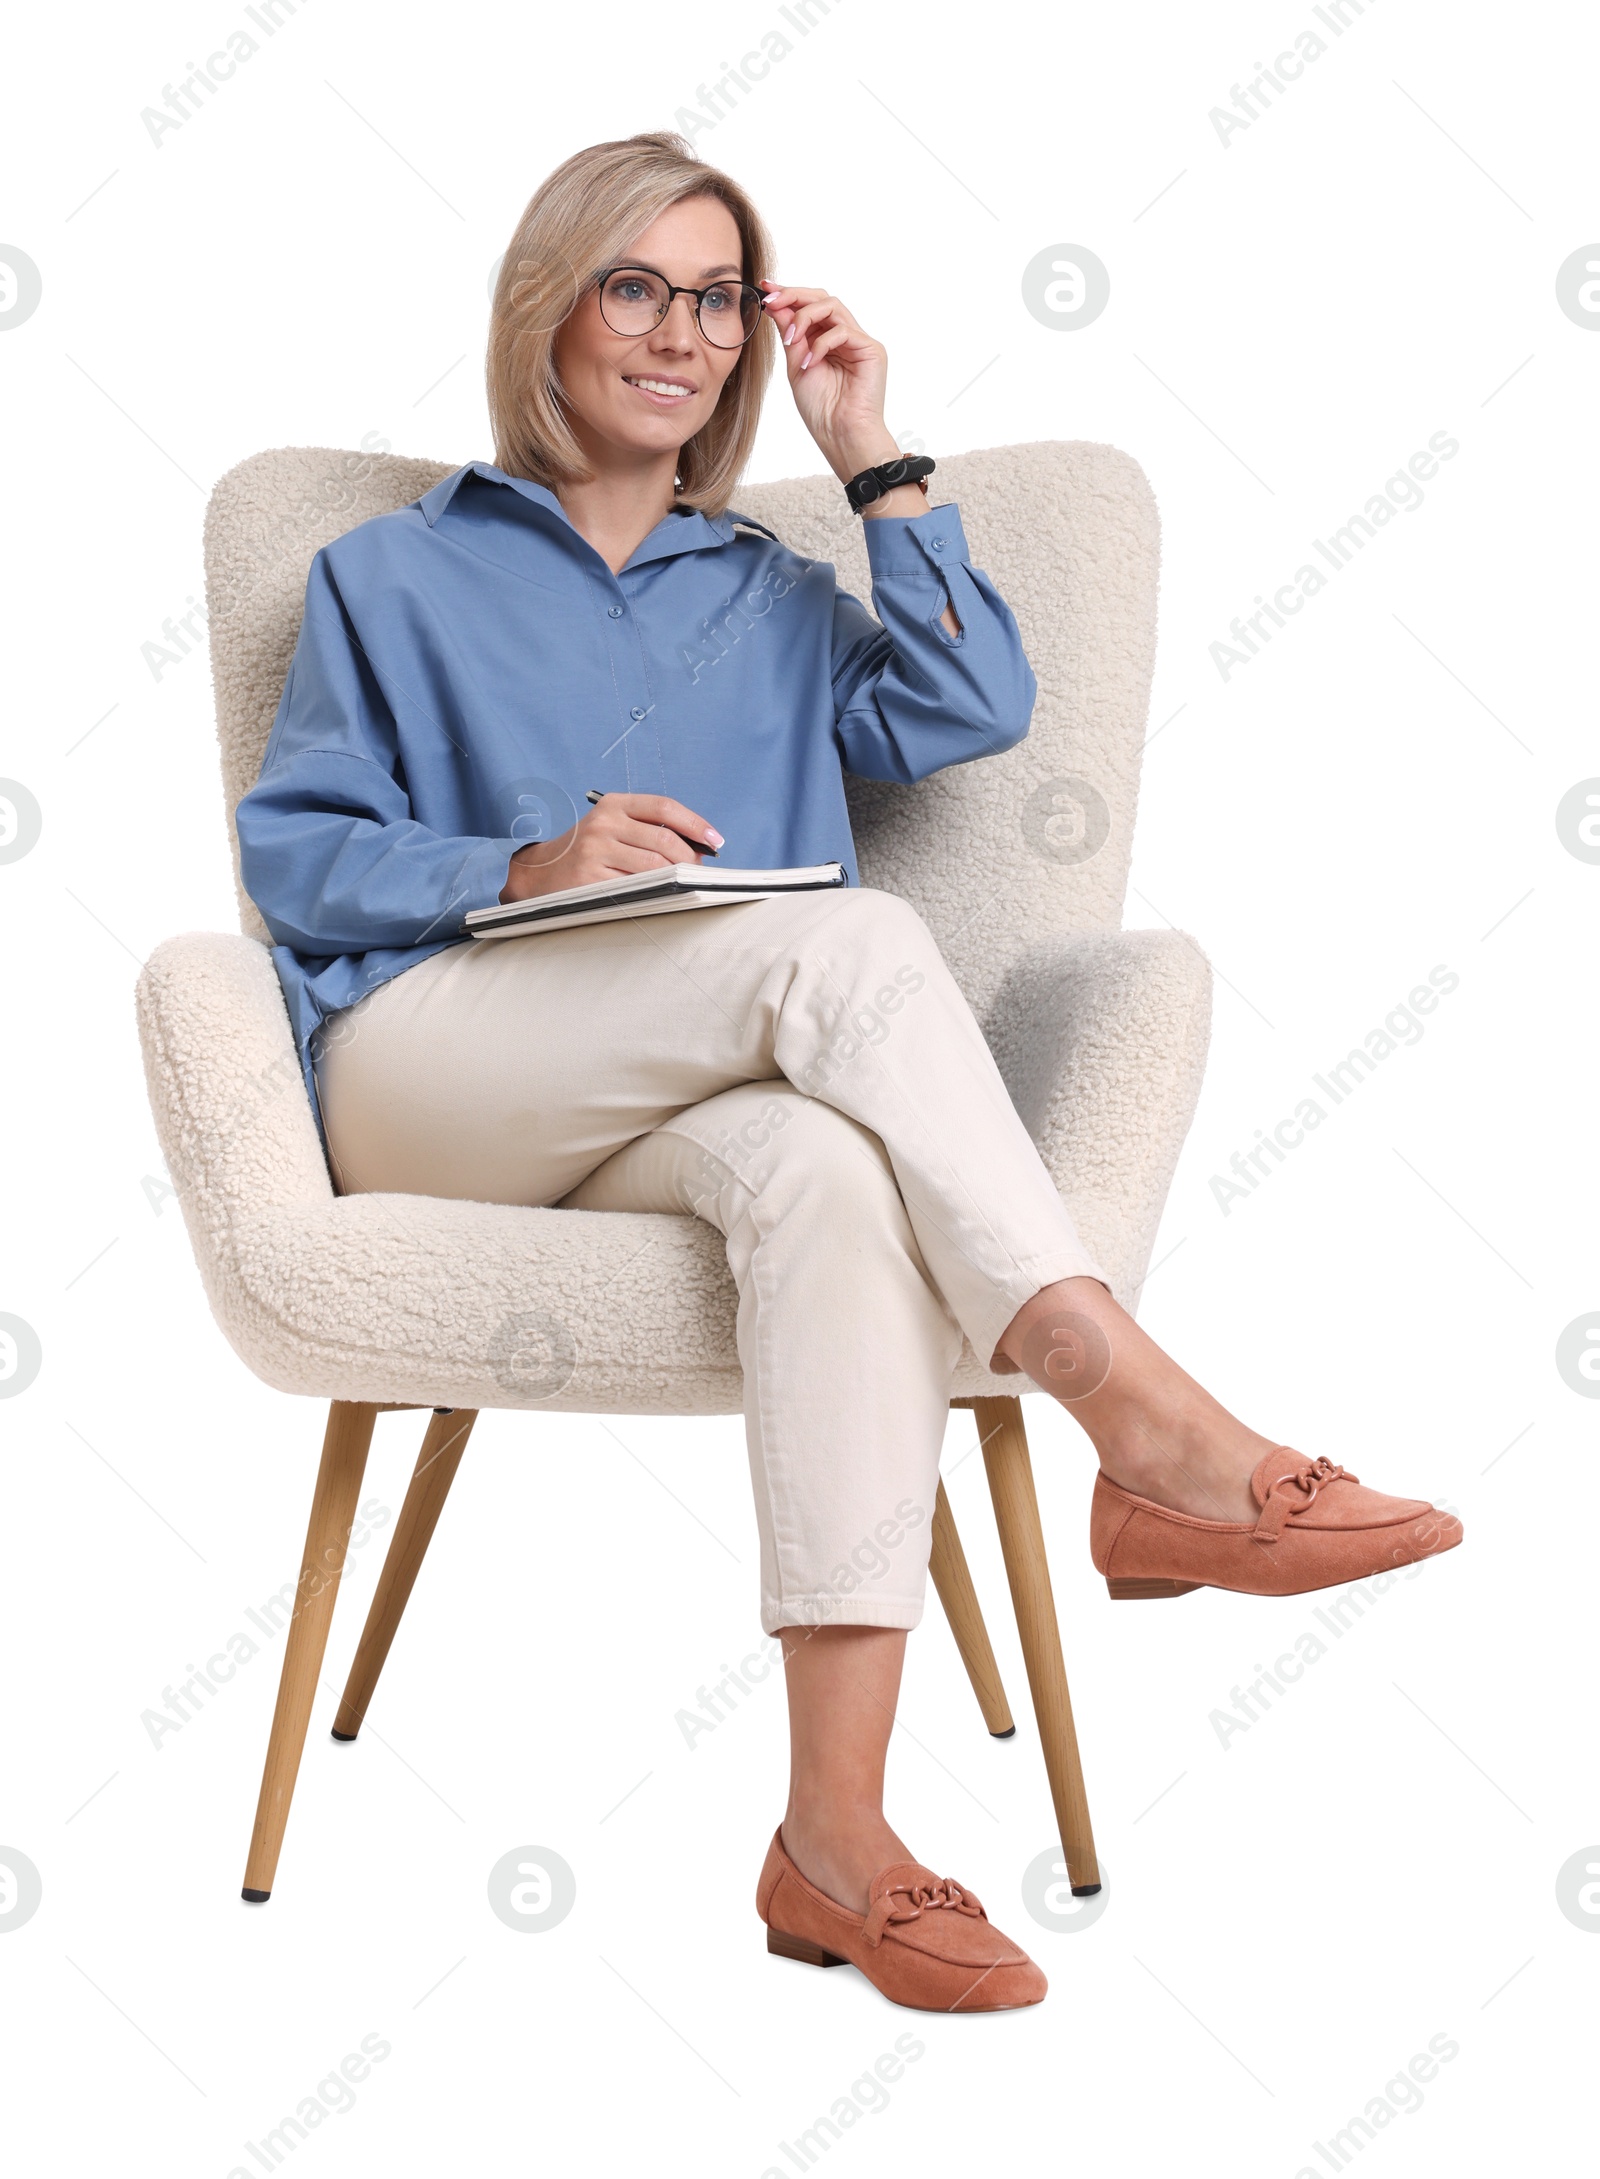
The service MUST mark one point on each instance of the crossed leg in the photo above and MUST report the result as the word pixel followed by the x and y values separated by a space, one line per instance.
pixel 847 1351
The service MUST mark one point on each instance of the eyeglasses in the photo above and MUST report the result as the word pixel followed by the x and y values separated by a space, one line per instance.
pixel 634 300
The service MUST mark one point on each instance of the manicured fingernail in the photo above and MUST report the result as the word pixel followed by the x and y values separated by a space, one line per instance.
pixel 806 363
pixel 715 838
pixel 789 336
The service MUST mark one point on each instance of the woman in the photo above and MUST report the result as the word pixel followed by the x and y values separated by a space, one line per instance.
pixel 565 619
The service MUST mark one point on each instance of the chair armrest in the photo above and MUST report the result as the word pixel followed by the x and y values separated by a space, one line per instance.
pixel 1101 1038
pixel 420 1299
pixel 229 1100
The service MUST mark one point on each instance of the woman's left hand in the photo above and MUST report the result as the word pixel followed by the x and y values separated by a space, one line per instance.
pixel 837 374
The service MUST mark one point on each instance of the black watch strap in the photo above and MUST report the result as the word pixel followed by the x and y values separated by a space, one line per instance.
pixel 861 491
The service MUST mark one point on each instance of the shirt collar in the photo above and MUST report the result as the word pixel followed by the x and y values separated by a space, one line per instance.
pixel 674 533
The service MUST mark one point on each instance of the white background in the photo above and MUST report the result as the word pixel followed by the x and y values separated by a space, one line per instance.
pixel 1370 1865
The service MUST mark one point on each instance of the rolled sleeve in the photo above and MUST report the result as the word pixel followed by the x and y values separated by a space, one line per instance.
pixel 909 698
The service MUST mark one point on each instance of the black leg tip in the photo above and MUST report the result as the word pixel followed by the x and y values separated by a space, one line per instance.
pixel 255 1897
pixel 1010 1733
pixel 1084 1891
pixel 337 1735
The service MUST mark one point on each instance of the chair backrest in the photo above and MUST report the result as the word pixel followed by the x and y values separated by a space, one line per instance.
pixel 994 854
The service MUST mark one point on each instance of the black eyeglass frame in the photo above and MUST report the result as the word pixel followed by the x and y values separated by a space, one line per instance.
pixel 699 295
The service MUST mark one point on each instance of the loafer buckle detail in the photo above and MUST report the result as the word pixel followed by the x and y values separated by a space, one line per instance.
pixel 1307 1479
pixel 916 1898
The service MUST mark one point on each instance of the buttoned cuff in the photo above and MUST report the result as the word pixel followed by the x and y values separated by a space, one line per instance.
pixel 481 877
pixel 900 544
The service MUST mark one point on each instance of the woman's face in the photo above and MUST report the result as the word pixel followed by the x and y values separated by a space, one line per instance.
pixel 693 244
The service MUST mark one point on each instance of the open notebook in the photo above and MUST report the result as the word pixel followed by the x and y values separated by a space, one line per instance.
pixel 648 892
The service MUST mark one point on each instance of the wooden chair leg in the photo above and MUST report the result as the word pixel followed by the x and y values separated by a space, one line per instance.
pixel 1016 1513
pixel 442 1448
pixel 953 1581
pixel 333 1512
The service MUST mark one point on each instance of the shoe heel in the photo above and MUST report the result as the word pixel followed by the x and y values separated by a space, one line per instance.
pixel 801 1948
pixel 1124 1586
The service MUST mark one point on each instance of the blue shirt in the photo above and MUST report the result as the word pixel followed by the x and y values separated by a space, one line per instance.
pixel 469 666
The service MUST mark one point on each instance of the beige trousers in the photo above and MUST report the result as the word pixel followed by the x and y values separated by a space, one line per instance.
pixel 801 1072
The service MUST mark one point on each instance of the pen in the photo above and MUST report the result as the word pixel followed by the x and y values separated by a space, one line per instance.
pixel 595 793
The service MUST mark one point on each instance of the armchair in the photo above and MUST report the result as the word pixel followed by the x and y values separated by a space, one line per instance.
pixel 1018 864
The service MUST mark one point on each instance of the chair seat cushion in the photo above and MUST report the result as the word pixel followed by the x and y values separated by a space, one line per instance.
pixel 408 1297
pixel 452 1304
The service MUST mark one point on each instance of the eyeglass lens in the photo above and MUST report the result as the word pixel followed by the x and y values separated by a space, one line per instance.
pixel 636 301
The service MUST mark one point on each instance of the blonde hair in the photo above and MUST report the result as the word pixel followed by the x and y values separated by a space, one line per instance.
pixel 581 219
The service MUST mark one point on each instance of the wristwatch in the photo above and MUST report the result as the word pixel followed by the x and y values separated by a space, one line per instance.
pixel 861 491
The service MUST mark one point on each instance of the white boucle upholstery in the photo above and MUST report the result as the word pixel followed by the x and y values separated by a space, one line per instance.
pixel 1018 864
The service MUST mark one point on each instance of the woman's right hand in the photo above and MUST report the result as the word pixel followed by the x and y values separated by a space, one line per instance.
pixel 622 834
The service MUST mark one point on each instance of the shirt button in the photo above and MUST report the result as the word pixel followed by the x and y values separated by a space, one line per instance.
pixel 615 611
pixel 937 543
pixel 636 713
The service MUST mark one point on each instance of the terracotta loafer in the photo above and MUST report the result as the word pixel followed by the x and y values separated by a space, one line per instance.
pixel 923 1941
pixel 1317 1527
